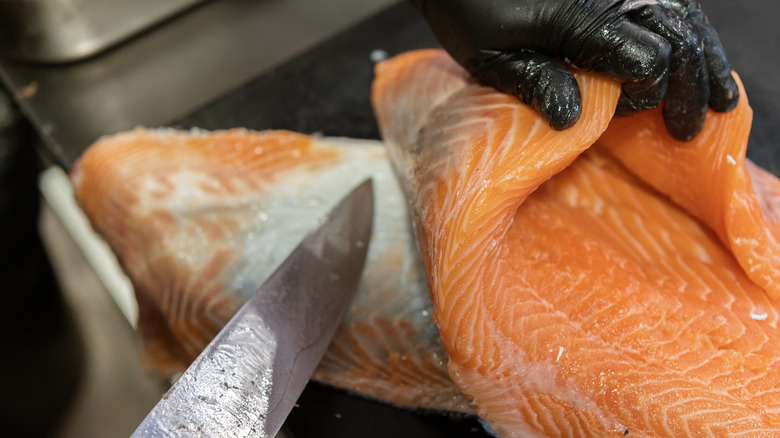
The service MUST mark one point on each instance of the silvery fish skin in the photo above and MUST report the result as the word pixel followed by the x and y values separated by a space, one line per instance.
pixel 197 226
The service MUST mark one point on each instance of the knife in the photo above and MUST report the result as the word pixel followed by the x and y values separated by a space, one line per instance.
pixel 247 380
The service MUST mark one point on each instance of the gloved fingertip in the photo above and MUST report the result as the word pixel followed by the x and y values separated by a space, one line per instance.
pixel 561 102
pixel 627 106
pixel 564 116
pixel 725 97
pixel 539 81
pixel 684 129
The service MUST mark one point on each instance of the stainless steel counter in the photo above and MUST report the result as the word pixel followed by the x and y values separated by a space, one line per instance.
pixel 173 68
pixel 59 31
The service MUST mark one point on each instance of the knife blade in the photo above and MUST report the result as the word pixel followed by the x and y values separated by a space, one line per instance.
pixel 247 380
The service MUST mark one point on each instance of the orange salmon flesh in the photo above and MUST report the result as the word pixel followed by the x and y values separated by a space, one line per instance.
pixel 600 281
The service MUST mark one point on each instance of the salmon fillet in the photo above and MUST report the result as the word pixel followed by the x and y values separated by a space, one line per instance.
pixel 578 292
pixel 711 178
pixel 608 292
pixel 198 220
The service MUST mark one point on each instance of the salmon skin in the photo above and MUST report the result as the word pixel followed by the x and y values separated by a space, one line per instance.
pixel 599 281
pixel 198 220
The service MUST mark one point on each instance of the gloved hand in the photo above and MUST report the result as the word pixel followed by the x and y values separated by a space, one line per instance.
pixel 660 50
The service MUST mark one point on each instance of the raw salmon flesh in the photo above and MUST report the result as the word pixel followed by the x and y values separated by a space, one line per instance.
pixel 605 280
pixel 198 220
pixel 625 289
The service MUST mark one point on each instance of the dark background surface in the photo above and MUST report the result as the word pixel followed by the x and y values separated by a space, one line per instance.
pixel 325 90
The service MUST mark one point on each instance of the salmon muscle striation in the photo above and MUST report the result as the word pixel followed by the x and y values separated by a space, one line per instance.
pixel 573 296
pixel 199 219
pixel 712 179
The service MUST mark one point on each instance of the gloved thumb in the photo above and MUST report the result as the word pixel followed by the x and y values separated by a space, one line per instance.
pixel 540 81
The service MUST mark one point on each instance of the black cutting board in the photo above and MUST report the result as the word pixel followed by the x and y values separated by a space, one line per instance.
pixel 326 90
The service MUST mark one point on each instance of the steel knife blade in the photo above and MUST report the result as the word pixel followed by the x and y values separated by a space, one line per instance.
pixel 247 380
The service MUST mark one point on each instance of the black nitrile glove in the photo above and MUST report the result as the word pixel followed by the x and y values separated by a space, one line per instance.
pixel 660 50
